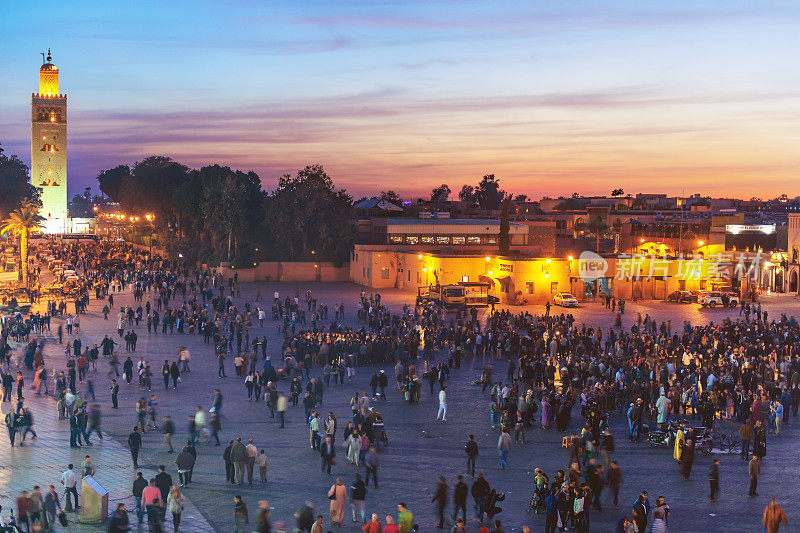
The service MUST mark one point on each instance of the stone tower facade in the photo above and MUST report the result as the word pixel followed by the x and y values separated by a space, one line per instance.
pixel 49 148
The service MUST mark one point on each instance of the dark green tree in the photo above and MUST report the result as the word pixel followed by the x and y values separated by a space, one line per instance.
pixel 467 194
pixel 15 188
pixel 488 193
pixel 440 193
pixel 309 218
pixel 391 196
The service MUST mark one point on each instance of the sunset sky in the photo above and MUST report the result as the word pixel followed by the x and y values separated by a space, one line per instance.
pixel 552 97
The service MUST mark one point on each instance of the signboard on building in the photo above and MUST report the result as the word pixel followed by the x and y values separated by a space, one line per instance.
pixel 742 228
pixel 506 267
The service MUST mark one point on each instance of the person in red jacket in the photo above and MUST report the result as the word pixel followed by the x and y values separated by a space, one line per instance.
pixel 391 527
pixel 373 526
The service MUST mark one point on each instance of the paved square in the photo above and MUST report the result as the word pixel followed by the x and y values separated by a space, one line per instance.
pixel 420 448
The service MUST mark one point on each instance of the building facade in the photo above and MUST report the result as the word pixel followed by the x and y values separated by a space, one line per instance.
pixel 49 148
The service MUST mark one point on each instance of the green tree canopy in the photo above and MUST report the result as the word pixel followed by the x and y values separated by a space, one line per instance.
pixel 15 187
pixel 309 218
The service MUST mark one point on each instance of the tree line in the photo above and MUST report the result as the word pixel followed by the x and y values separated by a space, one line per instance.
pixel 216 214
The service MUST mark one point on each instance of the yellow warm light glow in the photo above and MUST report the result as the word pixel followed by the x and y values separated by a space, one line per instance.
pixel 700 243
pixel 419 256
pixel 641 240
pixel 424 269
pixel 548 260
pixel 488 258
pixel 546 275
pixel 491 272
pixel 571 258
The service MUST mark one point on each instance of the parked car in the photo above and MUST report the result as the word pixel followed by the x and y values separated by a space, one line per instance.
pixel 681 297
pixel 565 299
pixel 715 298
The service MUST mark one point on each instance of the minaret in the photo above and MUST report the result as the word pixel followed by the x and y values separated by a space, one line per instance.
pixel 49 147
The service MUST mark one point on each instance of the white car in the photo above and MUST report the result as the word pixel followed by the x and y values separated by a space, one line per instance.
pixel 715 298
pixel 565 299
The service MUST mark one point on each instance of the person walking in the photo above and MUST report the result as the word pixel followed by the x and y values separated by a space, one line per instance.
pixel 70 480
pixel 118 523
pixel 713 480
pixel 252 455
pixel 328 453
pixel 338 497
pixel 134 445
pixel 405 518
pixel 440 498
pixel 504 448
pixel 52 507
pixel 480 491
pixel 471 449
pixel 185 463
pixel 151 503
pixel 168 427
pixel 239 460
pixel 442 414
pixel 175 506
pixel 746 433
pixel 358 493
pixel 240 518
pixel 460 494
pixel 261 462
pixel 262 524
pixel 687 459
pixel 139 484
pixel 773 517
pixel 754 469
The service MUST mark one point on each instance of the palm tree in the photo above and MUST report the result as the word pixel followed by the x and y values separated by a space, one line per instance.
pixel 597 227
pixel 23 221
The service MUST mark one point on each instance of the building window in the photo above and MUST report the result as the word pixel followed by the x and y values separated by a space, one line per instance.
pixel 412 239
pixel 442 240
pixel 427 239
pixel 459 240
pixel 396 239
pixel 409 276
pixel 490 240
pixel 384 273
pixel 473 240
pixel 529 287
pixel 553 287
pixel 465 279
pixel 681 284
pixel 505 285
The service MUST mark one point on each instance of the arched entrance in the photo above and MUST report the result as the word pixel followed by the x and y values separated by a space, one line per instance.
pixel 793 281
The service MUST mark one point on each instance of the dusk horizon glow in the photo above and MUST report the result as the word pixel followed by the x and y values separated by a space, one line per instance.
pixel 678 98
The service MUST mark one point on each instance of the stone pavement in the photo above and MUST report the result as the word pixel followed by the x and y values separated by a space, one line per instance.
pixel 41 461
pixel 420 448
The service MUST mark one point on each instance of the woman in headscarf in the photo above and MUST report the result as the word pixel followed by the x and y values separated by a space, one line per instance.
pixel 338 497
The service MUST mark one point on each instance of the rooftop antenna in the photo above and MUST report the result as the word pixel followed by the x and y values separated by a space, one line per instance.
pixel 42 57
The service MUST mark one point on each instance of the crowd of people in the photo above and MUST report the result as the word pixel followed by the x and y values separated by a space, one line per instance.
pixel 560 377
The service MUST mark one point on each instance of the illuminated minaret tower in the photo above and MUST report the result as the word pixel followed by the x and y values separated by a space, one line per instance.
pixel 49 147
